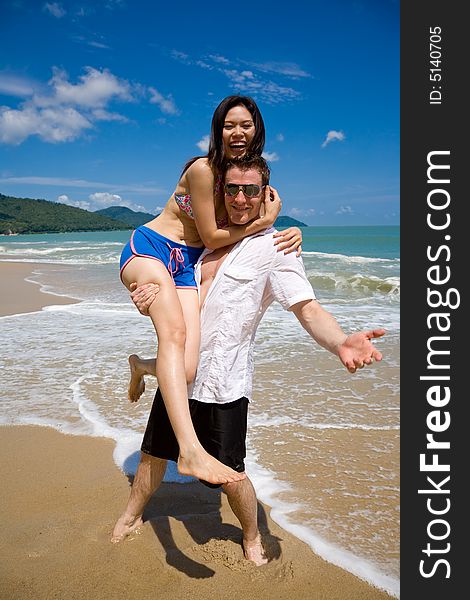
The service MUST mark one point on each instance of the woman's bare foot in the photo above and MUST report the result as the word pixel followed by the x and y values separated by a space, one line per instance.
pixel 202 465
pixel 254 551
pixel 136 383
pixel 125 525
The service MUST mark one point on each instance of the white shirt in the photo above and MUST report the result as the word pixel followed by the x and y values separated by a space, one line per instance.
pixel 251 277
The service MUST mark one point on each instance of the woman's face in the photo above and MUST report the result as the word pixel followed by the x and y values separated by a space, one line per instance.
pixel 238 131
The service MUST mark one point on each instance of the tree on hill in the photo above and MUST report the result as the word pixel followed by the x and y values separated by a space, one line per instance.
pixel 28 215
pixel 126 215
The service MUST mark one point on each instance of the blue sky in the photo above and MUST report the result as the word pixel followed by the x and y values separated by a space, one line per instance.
pixel 102 103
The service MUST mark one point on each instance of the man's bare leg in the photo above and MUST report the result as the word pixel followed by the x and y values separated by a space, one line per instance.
pixel 242 499
pixel 148 477
pixel 139 367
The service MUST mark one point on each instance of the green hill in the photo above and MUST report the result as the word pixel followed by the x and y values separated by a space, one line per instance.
pixel 139 218
pixel 288 222
pixel 27 215
pixel 126 215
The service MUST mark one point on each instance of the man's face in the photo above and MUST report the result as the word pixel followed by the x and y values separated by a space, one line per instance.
pixel 240 208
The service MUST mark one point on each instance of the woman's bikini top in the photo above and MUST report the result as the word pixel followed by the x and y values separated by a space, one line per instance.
pixel 184 202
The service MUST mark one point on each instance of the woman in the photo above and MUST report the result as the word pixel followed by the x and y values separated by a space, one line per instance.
pixel 164 251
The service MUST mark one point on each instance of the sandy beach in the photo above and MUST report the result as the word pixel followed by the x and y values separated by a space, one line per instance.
pixel 20 296
pixel 63 493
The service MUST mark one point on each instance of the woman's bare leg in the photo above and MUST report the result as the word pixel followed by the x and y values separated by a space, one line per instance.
pixel 139 367
pixel 167 317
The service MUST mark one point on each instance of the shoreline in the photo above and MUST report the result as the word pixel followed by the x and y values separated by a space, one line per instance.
pixel 20 296
pixel 28 297
pixel 61 514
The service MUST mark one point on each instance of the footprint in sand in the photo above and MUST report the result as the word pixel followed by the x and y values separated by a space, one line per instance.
pixel 230 554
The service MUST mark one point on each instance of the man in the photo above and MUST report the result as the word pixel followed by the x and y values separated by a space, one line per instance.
pixel 237 284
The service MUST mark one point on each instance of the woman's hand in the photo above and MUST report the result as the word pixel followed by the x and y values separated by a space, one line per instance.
pixel 289 240
pixel 143 296
pixel 272 205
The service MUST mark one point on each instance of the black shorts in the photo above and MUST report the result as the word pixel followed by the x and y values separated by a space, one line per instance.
pixel 221 429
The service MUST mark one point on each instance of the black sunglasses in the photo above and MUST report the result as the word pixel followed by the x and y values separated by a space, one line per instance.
pixel 250 190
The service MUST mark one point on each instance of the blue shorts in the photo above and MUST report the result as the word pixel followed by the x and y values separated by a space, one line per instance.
pixel 178 259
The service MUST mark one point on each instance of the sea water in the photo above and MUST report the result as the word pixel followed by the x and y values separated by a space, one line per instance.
pixel 323 444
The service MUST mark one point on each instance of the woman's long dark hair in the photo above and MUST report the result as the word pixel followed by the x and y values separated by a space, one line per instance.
pixel 216 154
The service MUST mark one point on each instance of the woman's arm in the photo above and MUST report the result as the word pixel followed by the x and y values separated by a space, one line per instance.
pixel 201 185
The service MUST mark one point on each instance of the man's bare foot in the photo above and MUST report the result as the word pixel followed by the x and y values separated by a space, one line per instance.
pixel 254 551
pixel 136 383
pixel 125 525
pixel 202 465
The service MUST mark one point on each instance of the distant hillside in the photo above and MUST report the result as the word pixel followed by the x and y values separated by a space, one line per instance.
pixel 126 215
pixel 288 222
pixel 27 215
pixel 139 218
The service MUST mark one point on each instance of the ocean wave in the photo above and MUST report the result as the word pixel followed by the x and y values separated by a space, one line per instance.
pixel 268 489
pixel 357 283
pixel 264 421
pixel 54 250
pixel 352 259
pixel 79 261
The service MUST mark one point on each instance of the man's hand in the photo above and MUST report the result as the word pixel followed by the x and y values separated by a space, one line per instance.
pixel 143 296
pixel 357 350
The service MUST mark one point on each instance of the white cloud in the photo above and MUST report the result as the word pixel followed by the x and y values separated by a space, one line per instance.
pixel 64 111
pixel 167 105
pixel 64 199
pixel 333 135
pixel 82 183
pixel 104 200
pixel 181 56
pixel 280 137
pixel 60 124
pixel 103 115
pixel 12 85
pixel 55 9
pixel 287 69
pixel 270 156
pixel 219 59
pixel 100 200
pixel 296 212
pixel 113 4
pixel 97 44
pixel 345 210
pixel 269 91
pixel 204 65
pixel 248 81
pixel 203 143
pixel 95 90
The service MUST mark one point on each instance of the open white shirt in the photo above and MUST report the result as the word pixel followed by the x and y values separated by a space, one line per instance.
pixel 251 277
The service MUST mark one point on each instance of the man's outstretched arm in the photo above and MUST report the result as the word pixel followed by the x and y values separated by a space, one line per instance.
pixel 354 351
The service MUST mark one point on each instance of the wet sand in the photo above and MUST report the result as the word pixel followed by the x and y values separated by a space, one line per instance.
pixel 19 296
pixel 60 498
pixel 62 495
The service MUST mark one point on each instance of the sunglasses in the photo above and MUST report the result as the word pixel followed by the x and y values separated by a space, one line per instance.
pixel 250 190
